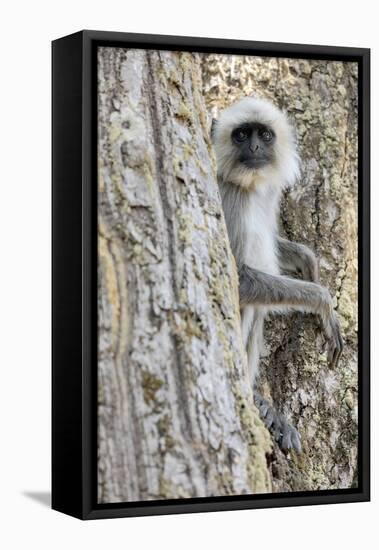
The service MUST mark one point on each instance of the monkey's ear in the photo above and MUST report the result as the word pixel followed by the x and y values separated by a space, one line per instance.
pixel 213 127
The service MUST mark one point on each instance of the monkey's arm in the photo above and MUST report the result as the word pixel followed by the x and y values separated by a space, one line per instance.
pixel 260 288
pixel 295 257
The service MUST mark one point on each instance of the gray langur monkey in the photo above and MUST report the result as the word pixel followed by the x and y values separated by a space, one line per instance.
pixel 256 157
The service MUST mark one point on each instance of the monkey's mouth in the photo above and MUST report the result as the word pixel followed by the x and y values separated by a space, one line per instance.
pixel 254 162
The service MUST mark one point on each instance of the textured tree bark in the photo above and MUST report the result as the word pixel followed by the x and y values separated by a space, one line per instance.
pixel 175 410
pixel 321 98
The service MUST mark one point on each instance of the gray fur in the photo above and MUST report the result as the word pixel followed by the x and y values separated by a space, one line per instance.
pixel 278 292
pixel 265 261
pixel 297 258
pixel 234 203
pixel 284 434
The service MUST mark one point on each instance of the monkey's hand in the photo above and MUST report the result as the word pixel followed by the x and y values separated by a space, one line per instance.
pixel 276 291
pixel 332 330
pixel 297 258
pixel 283 432
pixel 308 265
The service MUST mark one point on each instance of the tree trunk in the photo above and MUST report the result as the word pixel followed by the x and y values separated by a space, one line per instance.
pixel 175 409
pixel 321 211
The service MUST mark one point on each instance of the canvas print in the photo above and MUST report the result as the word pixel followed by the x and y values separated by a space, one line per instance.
pixel 227 275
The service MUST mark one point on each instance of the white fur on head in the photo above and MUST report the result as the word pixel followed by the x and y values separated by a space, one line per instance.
pixel 285 168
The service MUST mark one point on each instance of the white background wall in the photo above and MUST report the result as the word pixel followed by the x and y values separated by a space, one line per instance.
pixel 26 31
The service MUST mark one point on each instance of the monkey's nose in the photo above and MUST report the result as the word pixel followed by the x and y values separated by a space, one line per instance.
pixel 254 147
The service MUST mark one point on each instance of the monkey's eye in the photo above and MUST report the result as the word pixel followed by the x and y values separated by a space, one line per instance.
pixel 266 135
pixel 240 134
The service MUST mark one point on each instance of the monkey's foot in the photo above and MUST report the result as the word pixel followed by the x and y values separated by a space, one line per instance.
pixel 283 432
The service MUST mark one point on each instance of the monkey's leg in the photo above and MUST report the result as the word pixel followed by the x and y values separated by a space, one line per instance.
pixel 275 291
pixel 254 345
pixel 283 432
pixel 296 257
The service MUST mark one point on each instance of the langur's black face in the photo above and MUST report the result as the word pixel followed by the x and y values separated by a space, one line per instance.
pixel 255 144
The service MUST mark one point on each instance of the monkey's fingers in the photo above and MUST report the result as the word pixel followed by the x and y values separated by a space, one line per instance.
pixel 338 350
pixel 333 352
pixel 335 344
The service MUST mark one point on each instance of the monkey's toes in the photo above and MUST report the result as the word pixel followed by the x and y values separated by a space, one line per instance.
pixel 287 436
pixel 283 432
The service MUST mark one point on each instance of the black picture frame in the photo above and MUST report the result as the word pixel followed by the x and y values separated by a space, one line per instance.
pixel 74 271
